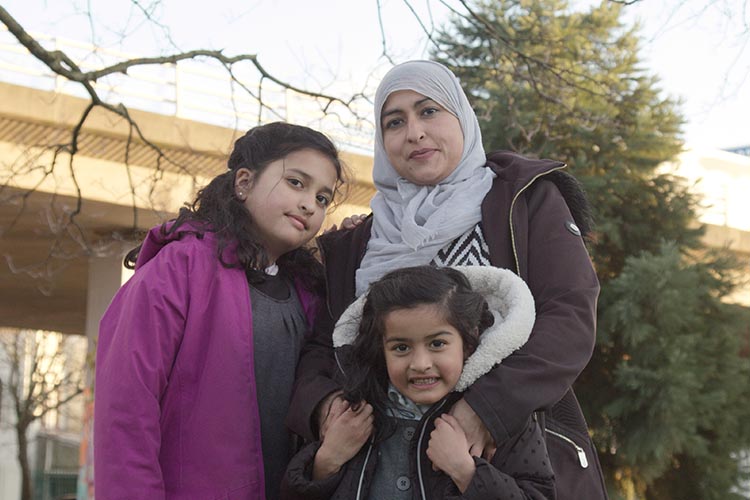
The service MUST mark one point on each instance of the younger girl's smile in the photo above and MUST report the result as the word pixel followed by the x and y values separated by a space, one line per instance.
pixel 424 353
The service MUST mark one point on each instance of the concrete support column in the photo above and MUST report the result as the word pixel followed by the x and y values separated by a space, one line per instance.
pixel 106 275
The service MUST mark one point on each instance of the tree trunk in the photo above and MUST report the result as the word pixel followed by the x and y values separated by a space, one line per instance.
pixel 27 492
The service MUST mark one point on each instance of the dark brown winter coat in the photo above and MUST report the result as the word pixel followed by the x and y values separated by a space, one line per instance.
pixel 528 224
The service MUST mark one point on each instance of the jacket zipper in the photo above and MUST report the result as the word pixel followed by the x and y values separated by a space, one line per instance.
pixel 510 216
pixel 426 419
pixel 580 451
pixel 364 467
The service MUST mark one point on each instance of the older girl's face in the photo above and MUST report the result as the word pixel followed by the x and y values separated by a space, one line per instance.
pixel 288 199
pixel 424 141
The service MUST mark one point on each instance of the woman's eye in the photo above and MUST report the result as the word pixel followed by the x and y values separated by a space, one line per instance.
pixel 429 111
pixel 393 123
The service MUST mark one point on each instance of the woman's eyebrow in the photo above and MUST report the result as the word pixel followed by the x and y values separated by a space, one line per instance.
pixel 392 111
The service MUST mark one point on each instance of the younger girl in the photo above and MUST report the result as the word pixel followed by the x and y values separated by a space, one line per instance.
pixel 197 351
pixel 408 347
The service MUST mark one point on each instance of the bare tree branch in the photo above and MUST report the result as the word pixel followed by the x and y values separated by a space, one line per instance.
pixel 427 32
pixel 382 34
pixel 65 223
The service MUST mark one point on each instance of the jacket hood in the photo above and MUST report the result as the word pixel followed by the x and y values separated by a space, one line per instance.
pixel 160 236
pixel 510 302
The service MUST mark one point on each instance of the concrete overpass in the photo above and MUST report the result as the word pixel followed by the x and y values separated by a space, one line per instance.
pixel 62 280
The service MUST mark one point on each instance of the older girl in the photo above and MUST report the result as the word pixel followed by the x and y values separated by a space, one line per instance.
pixel 197 351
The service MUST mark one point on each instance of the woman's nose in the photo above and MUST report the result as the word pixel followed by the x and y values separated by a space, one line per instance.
pixel 415 131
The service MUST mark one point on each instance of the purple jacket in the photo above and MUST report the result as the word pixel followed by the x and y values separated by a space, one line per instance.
pixel 175 397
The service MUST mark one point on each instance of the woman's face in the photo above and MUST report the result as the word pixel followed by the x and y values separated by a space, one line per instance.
pixel 423 140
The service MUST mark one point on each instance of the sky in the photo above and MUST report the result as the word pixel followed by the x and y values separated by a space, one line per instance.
pixel 700 49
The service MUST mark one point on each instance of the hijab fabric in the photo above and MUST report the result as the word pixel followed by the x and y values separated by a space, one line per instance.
pixel 411 223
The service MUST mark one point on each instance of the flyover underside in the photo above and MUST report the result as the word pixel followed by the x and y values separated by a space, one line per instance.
pixel 44 273
pixel 121 185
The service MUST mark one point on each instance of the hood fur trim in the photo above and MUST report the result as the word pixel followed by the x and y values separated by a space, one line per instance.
pixel 510 302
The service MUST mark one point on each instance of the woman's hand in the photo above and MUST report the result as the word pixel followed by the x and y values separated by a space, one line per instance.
pixel 331 404
pixel 348 223
pixel 480 441
pixel 449 451
pixel 348 431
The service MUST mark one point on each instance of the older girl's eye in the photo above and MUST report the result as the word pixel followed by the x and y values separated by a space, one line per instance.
pixel 401 348
pixel 323 200
pixel 294 182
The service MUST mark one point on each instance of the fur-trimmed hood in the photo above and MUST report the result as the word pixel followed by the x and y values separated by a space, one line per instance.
pixel 510 302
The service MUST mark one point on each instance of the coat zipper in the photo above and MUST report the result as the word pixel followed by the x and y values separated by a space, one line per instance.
pixel 419 447
pixel 426 419
pixel 364 467
pixel 510 216
pixel 580 451
pixel 582 459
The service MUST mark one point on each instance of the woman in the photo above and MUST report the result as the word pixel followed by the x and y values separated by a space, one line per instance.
pixel 440 200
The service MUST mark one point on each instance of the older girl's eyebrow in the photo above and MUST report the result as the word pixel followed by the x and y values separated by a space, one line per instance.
pixel 393 111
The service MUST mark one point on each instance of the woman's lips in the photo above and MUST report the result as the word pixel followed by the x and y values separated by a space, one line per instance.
pixel 421 154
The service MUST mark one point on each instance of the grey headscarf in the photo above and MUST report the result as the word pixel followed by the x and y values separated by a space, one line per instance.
pixel 411 222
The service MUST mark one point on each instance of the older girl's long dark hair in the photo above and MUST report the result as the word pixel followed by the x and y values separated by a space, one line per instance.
pixel 448 289
pixel 216 208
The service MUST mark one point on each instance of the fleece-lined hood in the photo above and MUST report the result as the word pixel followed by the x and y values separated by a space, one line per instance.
pixel 510 302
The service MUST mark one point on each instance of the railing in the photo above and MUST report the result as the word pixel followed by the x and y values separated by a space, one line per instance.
pixel 198 90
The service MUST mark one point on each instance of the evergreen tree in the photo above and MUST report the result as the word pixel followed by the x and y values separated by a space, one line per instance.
pixel 667 390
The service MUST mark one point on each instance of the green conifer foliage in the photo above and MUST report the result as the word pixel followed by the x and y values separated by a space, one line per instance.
pixel 667 393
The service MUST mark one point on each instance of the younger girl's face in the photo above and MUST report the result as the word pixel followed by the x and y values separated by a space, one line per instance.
pixel 424 354
pixel 288 199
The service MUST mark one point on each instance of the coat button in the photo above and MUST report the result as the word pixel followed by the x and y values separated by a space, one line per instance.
pixel 408 433
pixel 403 483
